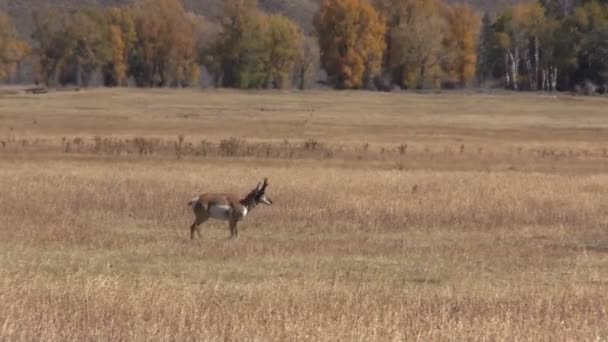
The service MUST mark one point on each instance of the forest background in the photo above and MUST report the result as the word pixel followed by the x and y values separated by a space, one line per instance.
pixel 345 44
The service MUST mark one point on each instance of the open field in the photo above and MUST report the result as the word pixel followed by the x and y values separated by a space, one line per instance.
pixel 396 217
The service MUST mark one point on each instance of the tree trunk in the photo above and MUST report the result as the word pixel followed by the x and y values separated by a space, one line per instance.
pixel 507 69
pixel 529 70
pixel 536 63
pixel 302 73
pixel 420 84
pixel 512 64
pixel 78 74
pixel 515 66
pixel 18 72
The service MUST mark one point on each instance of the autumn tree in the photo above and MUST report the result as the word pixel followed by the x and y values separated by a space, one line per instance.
pixel 392 11
pixel 164 52
pixel 207 37
pixel 352 41
pixel 417 46
pixel 462 29
pixel 12 48
pixel 308 66
pixel 87 47
pixel 184 69
pixel 50 42
pixel 122 38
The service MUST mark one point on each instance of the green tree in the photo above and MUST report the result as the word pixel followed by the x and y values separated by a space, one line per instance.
pixel 253 56
pixel 569 46
pixel 531 20
pixel 285 49
pixel 487 57
pixel 240 53
pixel 596 49
pixel 559 8
pixel 87 46
pixel 588 26
pixel 254 50
pixel 511 39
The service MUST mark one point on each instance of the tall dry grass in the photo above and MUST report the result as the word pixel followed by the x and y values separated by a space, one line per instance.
pixel 98 250
pixel 414 243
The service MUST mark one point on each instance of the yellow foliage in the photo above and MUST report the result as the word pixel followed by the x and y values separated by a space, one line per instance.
pixel 592 14
pixel 166 43
pixel 416 43
pixel 122 39
pixel 463 24
pixel 352 41
pixel 119 61
pixel 12 49
pixel 529 17
pixel 285 49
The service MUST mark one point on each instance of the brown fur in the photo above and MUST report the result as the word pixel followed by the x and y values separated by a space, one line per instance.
pixel 202 204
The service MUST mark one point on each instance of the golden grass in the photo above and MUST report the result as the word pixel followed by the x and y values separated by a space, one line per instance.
pixel 424 245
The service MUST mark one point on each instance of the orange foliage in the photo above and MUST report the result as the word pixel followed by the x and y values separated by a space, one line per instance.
pixel 12 49
pixel 352 41
pixel 463 24
pixel 122 38
pixel 166 43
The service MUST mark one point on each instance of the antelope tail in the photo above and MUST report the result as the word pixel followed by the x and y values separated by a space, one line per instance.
pixel 192 201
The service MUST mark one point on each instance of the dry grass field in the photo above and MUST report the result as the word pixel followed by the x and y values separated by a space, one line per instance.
pixel 396 217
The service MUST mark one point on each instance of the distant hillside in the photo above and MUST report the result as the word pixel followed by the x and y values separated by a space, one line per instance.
pixel 301 11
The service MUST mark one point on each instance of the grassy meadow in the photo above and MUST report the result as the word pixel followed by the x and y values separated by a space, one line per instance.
pixel 396 217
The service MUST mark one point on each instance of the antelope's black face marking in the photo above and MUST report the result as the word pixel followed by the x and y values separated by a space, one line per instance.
pixel 263 199
pixel 260 195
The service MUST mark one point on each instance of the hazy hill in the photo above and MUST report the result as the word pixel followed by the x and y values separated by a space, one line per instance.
pixel 301 11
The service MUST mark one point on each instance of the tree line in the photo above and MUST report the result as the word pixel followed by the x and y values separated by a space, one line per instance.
pixel 358 44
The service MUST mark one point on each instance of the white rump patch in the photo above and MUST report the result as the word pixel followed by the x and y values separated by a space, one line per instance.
pixel 220 212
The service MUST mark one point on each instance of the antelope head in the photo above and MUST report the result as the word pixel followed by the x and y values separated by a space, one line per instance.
pixel 260 193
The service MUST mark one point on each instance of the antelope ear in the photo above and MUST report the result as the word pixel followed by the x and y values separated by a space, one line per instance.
pixel 258 187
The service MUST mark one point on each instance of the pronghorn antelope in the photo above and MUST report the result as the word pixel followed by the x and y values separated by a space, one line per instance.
pixel 226 207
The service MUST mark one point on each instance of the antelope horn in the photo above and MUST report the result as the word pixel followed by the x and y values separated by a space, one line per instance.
pixel 265 184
